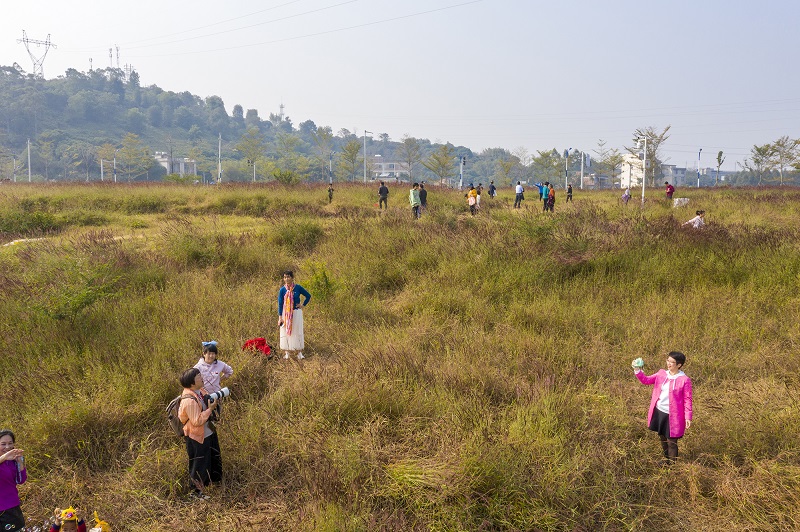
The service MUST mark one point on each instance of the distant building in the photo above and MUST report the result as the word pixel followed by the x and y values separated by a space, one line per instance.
pixel 674 174
pixel 176 165
pixel 387 170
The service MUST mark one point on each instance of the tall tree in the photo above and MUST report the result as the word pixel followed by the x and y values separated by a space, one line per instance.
pixel 252 146
pixel 441 162
pixel 655 140
pixel 720 160
pixel 134 156
pixel 609 159
pixel 323 143
pixel 760 160
pixel 548 166
pixel 505 167
pixel 785 153
pixel 349 161
pixel 410 154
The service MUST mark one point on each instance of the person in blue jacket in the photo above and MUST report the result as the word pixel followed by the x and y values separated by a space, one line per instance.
pixel 290 316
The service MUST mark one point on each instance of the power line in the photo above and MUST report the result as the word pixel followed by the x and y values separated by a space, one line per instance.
pixel 317 34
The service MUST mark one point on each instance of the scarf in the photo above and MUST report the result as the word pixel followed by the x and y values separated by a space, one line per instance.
pixel 288 308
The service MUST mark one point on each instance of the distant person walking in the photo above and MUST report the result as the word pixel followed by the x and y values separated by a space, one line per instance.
pixel 520 195
pixel 670 411
pixel 383 196
pixel 330 193
pixel 670 190
pixel 413 198
pixel 492 190
pixel 12 473
pixel 479 190
pixel 626 196
pixel 569 193
pixel 472 199
pixel 290 316
pixel 551 198
pixel 423 198
pixel 698 221
pixel 545 195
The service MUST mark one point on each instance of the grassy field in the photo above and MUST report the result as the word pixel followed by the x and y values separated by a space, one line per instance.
pixel 464 373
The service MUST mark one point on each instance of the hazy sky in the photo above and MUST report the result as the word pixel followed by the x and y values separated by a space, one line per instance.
pixel 486 73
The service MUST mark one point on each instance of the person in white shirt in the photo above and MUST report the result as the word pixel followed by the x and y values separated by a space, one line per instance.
pixel 698 221
pixel 520 196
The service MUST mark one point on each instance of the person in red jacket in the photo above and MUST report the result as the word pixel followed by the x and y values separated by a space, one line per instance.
pixel 670 190
pixel 670 411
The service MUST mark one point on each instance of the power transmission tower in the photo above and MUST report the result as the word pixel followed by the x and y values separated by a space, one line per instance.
pixel 38 62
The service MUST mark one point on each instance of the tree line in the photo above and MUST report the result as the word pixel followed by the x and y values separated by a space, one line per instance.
pixel 82 124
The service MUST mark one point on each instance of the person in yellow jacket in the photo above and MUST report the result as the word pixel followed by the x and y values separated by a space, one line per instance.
pixel 472 199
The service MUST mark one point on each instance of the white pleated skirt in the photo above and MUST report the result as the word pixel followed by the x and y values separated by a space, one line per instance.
pixel 296 340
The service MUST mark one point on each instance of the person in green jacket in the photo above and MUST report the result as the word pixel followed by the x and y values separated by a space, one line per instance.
pixel 413 198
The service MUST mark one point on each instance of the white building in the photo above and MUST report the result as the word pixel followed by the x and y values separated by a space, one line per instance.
pixel 630 175
pixel 178 165
pixel 387 170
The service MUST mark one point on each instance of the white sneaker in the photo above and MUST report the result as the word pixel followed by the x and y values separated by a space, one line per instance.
pixel 286 356
pixel 300 356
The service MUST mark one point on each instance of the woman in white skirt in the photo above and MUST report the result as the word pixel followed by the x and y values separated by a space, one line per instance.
pixel 290 316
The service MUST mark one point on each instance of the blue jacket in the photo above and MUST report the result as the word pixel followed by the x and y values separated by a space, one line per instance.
pixel 298 291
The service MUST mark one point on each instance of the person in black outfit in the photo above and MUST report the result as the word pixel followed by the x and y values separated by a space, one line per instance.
pixel 383 196
pixel 423 198
pixel 569 192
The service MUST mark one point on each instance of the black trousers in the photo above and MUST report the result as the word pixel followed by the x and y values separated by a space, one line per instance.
pixel 12 519
pixel 383 202
pixel 205 461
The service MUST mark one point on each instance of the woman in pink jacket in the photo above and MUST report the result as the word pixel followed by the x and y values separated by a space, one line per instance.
pixel 670 411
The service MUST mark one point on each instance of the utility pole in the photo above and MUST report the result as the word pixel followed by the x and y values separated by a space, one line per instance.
pixel 29 160
pixel 38 62
pixel 365 154
pixel 698 167
pixel 219 160
pixel 644 167
pixel 463 163
pixel 330 170
pixel 566 167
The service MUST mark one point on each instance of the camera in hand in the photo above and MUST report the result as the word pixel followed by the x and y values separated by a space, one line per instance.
pixel 216 396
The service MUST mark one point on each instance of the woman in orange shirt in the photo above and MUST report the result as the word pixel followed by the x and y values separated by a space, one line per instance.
pixel 202 444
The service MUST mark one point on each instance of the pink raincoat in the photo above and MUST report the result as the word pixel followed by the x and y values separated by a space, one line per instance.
pixel 680 399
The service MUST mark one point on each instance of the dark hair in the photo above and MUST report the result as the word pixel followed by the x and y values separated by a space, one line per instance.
pixel 210 349
pixel 666 182
pixel 416 185
pixel 6 432
pixel 698 213
pixel 679 357
pixel 290 273
pixel 381 182
pixel 188 377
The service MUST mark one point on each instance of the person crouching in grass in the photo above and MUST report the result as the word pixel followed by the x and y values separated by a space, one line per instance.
pixel 67 521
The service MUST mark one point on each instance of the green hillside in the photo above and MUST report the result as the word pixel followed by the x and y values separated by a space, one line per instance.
pixel 464 373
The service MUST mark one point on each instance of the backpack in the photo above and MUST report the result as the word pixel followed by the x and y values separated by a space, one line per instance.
pixel 172 414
